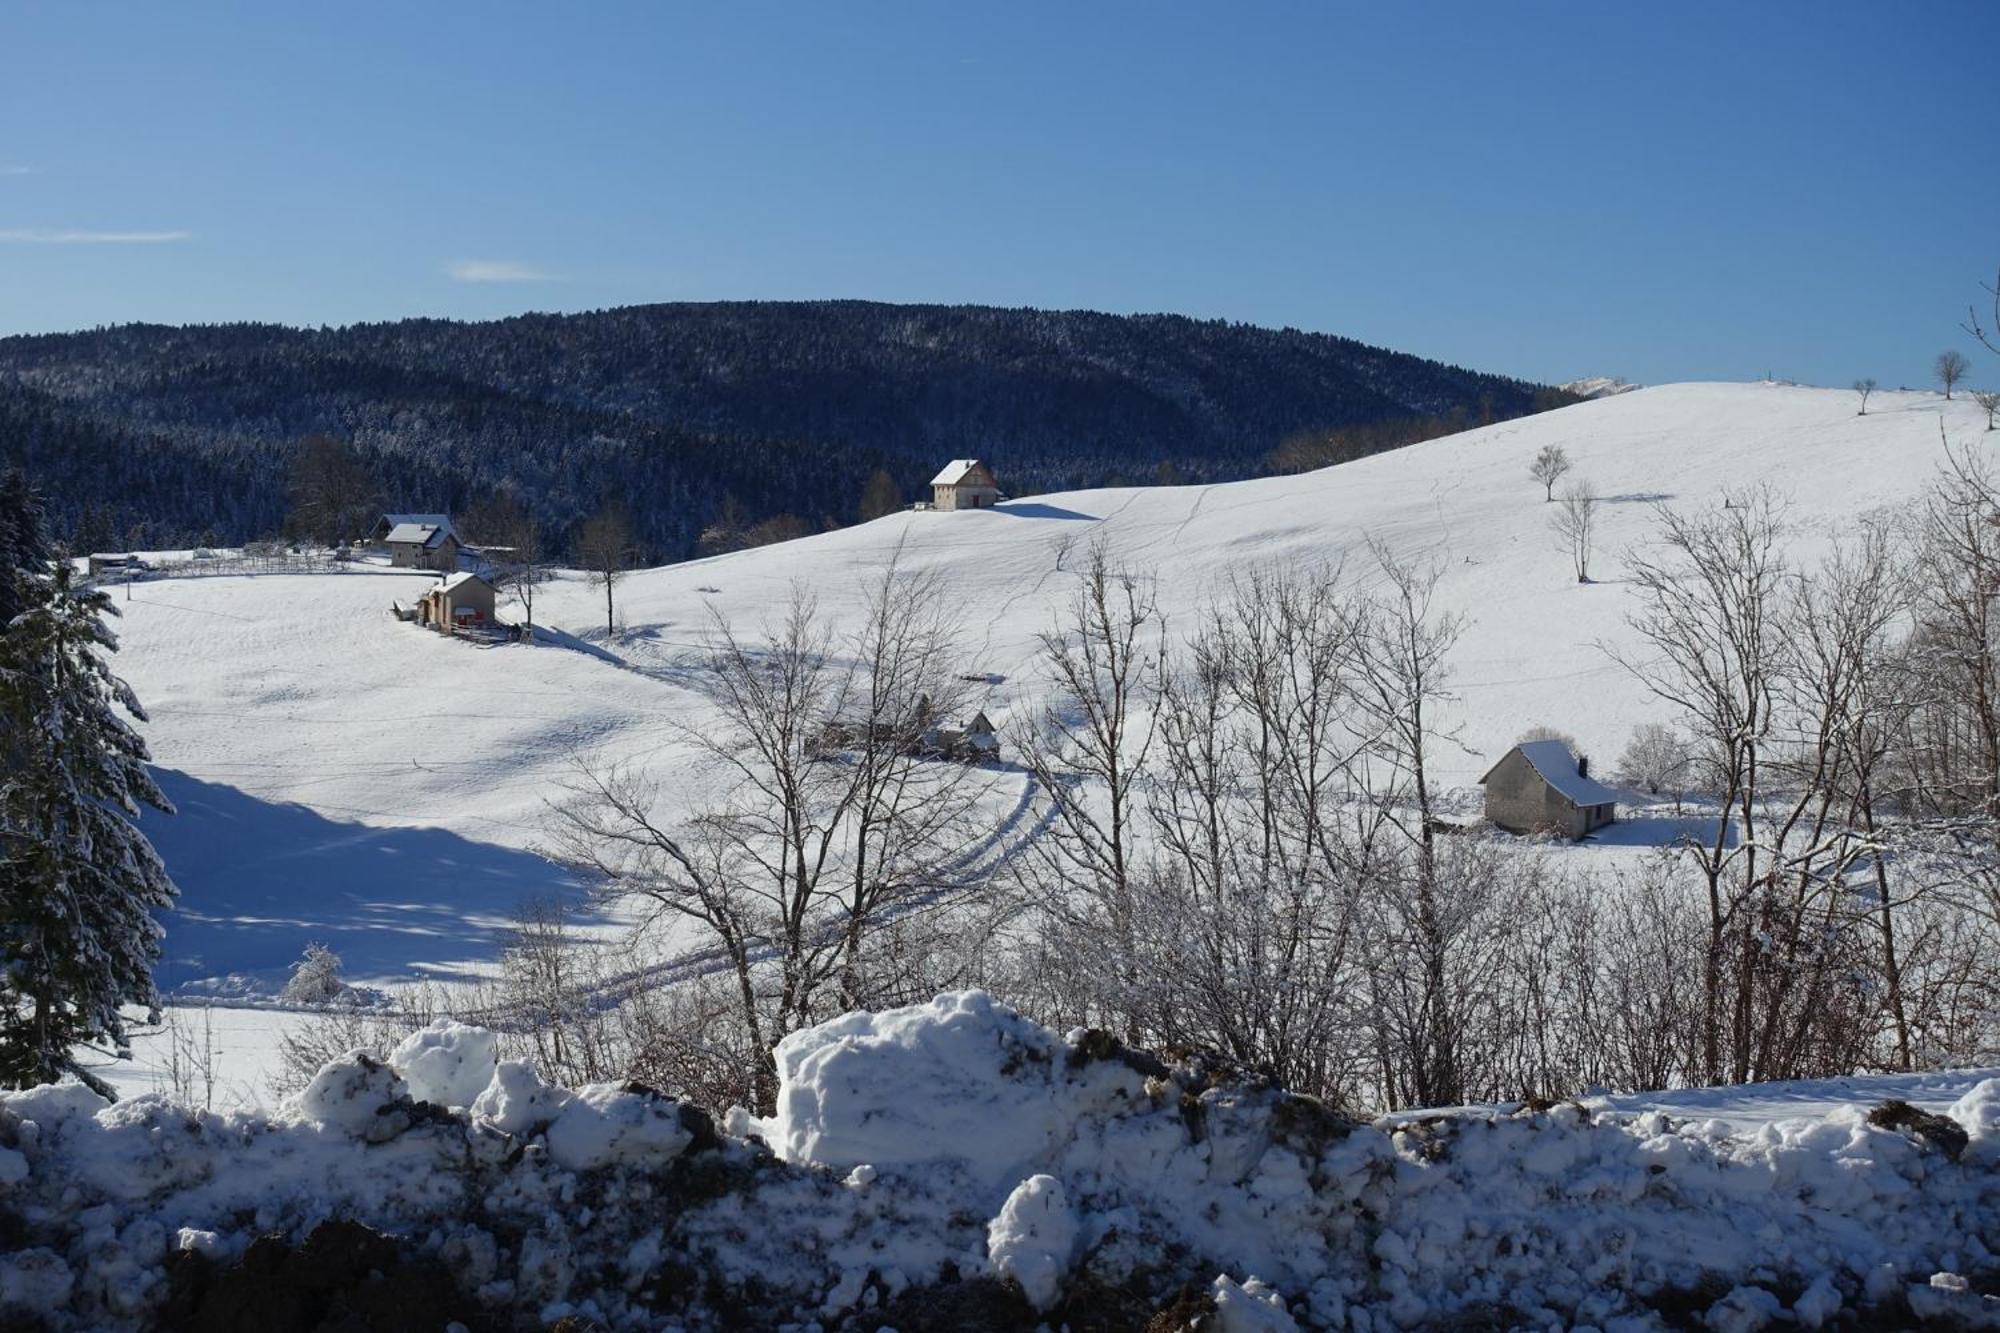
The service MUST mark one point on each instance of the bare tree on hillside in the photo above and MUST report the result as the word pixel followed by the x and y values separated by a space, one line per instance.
pixel 881 496
pixel 604 548
pixel 1575 525
pixel 1549 467
pixel 1402 680
pixel 826 817
pixel 1864 387
pixel 1706 626
pixel 331 492
pixel 1088 750
pixel 513 544
pixel 1950 368
pixel 1990 401
pixel 1657 760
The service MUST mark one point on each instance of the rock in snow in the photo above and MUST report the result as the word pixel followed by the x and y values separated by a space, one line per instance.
pixel 922 1147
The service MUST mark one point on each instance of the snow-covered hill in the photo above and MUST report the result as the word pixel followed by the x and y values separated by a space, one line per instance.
pixel 346 777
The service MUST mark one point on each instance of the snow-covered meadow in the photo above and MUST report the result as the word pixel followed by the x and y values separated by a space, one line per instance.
pixel 346 778
pixel 953 1165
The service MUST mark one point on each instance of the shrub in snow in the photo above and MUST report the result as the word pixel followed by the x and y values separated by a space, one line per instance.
pixel 447 1063
pixel 1033 1240
pixel 315 977
pixel 610 1122
pixel 359 1096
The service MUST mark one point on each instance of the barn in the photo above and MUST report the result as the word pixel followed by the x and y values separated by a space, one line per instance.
pixel 1539 785
pixel 965 483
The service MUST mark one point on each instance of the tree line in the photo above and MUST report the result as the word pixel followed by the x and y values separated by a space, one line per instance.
pixel 717 425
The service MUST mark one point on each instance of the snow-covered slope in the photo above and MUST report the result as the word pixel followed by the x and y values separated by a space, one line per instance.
pixel 346 777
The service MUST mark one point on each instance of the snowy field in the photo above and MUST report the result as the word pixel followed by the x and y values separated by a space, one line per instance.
pixel 347 778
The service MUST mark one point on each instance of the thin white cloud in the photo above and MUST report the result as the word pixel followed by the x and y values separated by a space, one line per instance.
pixel 494 270
pixel 7 170
pixel 84 236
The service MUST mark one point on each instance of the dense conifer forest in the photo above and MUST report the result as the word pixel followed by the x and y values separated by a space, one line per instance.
pixel 708 423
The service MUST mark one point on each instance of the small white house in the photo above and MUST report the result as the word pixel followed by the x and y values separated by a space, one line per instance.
pixel 965 483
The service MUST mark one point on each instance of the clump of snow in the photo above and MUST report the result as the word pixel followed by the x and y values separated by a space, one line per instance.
pixel 1033 1240
pixel 963 1081
pixel 447 1063
pixel 1979 1112
pixel 516 1101
pixel 609 1122
pixel 356 1095
pixel 1252 1307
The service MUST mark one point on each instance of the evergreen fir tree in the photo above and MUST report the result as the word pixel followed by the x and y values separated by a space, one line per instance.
pixel 78 880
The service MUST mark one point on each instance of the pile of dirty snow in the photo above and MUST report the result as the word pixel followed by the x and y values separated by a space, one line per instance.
pixel 953 1163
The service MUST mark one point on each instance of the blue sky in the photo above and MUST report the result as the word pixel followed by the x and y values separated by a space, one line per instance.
pixel 1663 191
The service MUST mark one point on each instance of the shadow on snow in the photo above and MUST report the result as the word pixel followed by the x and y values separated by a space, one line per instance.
pixel 260 879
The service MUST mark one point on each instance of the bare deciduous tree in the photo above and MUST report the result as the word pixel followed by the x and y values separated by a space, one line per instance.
pixel 513 545
pixel 1575 525
pixel 829 813
pixel 1950 368
pixel 604 547
pixel 1990 401
pixel 1657 760
pixel 1551 465
pixel 1864 387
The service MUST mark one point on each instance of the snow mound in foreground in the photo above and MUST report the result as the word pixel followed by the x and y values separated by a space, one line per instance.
pixel 920 1153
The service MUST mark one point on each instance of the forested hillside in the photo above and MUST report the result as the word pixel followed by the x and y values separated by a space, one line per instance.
pixel 694 417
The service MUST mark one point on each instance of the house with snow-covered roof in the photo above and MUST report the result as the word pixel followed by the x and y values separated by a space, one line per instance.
pixel 463 601
pixel 1540 785
pixel 422 541
pixel 965 483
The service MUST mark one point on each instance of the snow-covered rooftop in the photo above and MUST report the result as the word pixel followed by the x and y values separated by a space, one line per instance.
pixel 955 472
pixel 1558 768
pixel 422 534
pixel 459 580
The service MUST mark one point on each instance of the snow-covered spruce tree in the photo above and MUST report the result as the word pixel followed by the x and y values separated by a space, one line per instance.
pixel 77 936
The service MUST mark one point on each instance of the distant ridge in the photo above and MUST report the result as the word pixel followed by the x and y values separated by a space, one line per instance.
pixel 686 413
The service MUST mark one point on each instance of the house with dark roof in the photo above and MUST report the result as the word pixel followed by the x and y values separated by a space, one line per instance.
pixel 1540 786
pixel 965 483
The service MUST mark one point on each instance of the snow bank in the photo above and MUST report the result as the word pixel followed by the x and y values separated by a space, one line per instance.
pixel 916 1150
